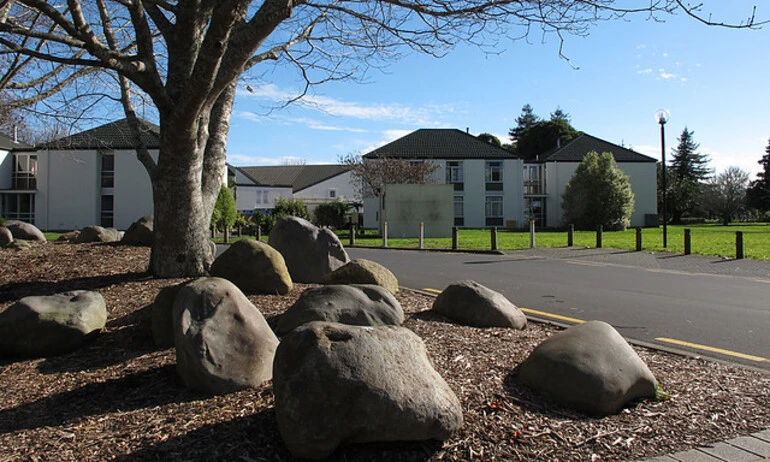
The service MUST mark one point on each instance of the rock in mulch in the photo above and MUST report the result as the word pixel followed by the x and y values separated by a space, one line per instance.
pixel 223 342
pixel 357 305
pixel 70 237
pixel 24 231
pixel 363 271
pixel 589 367
pixel 6 237
pixel 139 233
pixel 41 326
pixel 97 234
pixel 472 304
pixel 163 316
pixel 253 266
pixel 336 384
pixel 310 253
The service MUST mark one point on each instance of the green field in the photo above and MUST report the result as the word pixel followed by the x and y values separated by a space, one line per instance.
pixel 707 239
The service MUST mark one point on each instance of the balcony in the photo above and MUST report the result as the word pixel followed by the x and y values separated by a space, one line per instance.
pixel 534 188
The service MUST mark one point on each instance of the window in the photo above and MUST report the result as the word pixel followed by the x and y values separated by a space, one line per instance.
pixel 534 183
pixel 493 210
pixel 25 171
pixel 261 196
pixel 534 210
pixel 459 210
pixel 18 206
pixel 332 193
pixel 108 208
pixel 494 175
pixel 454 172
pixel 108 169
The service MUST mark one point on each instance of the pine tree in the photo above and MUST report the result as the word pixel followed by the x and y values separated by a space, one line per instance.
pixel 523 122
pixel 559 114
pixel 758 193
pixel 689 170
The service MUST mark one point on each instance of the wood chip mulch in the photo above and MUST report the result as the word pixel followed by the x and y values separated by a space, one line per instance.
pixel 119 397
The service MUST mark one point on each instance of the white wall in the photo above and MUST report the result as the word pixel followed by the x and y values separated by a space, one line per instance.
pixel 641 176
pixel 6 169
pixel 132 191
pixel 246 197
pixel 319 193
pixel 68 190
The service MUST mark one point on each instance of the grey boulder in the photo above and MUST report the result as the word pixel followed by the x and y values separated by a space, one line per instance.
pixel 97 234
pixel 358 305
pixel 254 267
pixel 139 233
pixel 163 316
pixel 6 237
pixel 336 384
pixel 589 367
pixel 310 253
pixel 363 271
pixel 223 342
pixel 472 304
pixel 24 231
pixel 40 326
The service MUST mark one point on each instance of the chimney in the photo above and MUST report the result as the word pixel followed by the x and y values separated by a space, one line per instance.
pixel 16 134
pixel 558 143
pixel 468 130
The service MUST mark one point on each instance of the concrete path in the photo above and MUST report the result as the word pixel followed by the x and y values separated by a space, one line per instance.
pixel 755 447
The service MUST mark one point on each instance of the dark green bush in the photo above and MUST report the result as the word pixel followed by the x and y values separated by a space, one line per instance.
pixel 331 214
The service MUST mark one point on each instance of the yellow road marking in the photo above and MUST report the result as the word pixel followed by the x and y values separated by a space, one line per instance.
pixel 551 315
pixel 428 289
pixel 736 354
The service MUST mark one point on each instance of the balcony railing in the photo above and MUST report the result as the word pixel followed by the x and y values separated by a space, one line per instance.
pixel 534 187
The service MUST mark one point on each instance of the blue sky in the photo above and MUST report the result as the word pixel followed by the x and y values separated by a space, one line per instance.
pixel 712 80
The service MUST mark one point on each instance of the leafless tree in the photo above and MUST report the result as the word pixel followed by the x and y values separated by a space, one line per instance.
pixel 371 175
pixel 725 194
pixel 185 58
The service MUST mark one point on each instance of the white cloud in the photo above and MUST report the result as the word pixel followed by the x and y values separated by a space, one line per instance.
pixel 247 160
pixel 644 71
pixel 666 75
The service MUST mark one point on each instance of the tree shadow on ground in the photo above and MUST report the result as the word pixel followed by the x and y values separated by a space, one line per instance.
pixel 14 291
pixel 529 399
pixel 256 437
pixel 146 389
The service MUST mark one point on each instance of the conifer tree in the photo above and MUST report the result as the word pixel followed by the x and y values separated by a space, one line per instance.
pixel 758 193
pixel 689 170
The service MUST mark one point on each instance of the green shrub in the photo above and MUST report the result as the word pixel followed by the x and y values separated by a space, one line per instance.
pixel 264 220
pixel 290 207
pixel 224 215
pixel 331 214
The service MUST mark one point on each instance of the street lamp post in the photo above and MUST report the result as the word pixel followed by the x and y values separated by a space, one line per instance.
pixel 662 117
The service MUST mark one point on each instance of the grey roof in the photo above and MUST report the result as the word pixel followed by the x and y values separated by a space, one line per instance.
pixel 114 135
pixel 440 143
pixel 576 150
pixel 297 177
pixel 7 144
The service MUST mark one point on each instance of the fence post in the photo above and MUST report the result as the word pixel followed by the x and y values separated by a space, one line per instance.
pixel 532 234
pixel 240 230
pixel 739 245
pixel 638 239
pixel 385 234
pixel 259 232
pixel 422 234
pixel 599 231
pixel 571 236
pixel 493 232
pixel 455 238
pixel 352 234
pixel 687 242
pixel 227 234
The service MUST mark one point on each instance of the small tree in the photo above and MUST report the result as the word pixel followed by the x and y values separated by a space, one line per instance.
pixel 689 169
pixel 725 194
pixel 224 215
pixel 290 207
pixel 598 194
pixel 331 214
pixel 371 175
pixel 758 194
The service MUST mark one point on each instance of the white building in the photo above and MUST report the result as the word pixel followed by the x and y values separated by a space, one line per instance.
pixel 257 188
pixel 494 187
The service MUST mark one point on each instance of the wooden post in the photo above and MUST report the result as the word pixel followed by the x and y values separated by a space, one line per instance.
pixel 421 235
pixel 227 234
pixel 493 236
pixel 638 239
pixel 455 238
pixel 352 234
pixel 599 231
pixel 739 245
pixel 571 236
pixel 532 234
pixel 687 242
pixel 385 234
pixel 259 232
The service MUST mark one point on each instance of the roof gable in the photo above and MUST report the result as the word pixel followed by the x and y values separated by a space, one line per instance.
pixel 576 150
pixel 440 143
pixel 114 135
pixel 297 177
pixel 7 144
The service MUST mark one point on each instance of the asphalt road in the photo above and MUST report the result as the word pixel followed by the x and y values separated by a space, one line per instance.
pixel 721 316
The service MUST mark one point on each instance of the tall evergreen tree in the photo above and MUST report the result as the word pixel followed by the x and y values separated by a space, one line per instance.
pixel 523 122
pixel 689 170
pixel 758 193
pixel 559 114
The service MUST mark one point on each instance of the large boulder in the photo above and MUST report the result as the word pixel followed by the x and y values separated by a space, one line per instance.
pixel 53 324
pixel 472 304
pixel 357 305
pixel 254 267
pixel 223 342
pixel 336 384
pixel 6 237
pixel 311 253
pixel 24 231
pixel 163 316
pixel 589 367
pixel 139 233
pixel 97 234
pixel 363 272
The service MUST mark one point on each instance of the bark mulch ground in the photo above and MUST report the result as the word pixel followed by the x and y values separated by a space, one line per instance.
pixel 119 397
